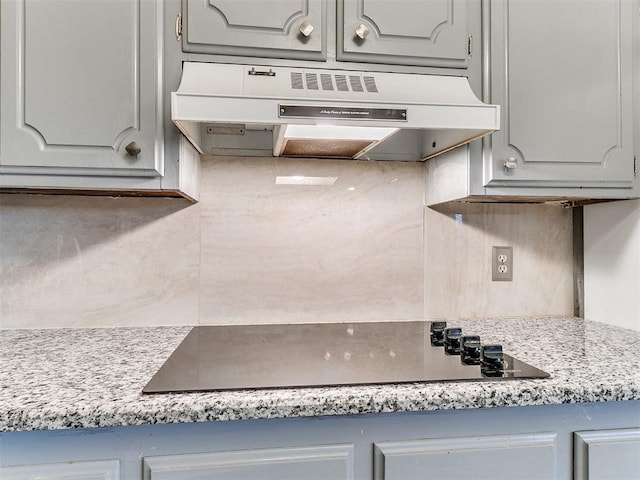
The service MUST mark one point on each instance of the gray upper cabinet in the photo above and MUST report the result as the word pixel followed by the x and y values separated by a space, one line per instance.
pixel 561 72
pixel 81 95
pixel 76 87
pixel 293 29
pixel 410 32
pixel 434 33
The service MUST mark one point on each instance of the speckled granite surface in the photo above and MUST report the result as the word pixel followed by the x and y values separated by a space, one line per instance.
pixel 76 378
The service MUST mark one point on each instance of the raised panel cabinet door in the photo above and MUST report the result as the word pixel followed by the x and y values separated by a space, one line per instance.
pixel 410 32
pixel 492 457
pixel 82 470
pixel 330 462
pixel 607 454
pixel 562 72
pixel 80 88
pixel 256 28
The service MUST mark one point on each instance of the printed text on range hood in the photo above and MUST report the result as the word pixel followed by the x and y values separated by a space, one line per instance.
pixel 245 110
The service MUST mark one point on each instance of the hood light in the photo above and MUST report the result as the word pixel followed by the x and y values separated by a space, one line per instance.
pixel 336 132
pixel 327 140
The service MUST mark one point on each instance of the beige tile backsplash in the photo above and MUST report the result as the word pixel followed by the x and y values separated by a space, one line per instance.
pixel 349 251
pixel 362 247
pixel 458 245
pixel 90 261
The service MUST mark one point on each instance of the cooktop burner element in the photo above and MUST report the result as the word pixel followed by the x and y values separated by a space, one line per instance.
pixel 233 357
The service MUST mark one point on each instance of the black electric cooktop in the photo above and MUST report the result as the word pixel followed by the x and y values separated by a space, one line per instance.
pixel 237 357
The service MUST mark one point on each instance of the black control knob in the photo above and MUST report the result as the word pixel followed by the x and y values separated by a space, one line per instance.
pixel 470 350
pixel 437 333
pixel 492 360
pixel 452 338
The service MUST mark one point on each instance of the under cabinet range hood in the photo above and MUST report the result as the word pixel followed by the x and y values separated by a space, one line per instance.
pixel 303 112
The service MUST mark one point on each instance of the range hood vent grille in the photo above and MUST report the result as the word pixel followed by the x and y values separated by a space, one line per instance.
pixel 296 81
pixel 326 81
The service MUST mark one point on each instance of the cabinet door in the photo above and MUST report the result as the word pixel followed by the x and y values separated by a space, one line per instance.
pixel 278 29
pixel 82 470
pixel 409 32
pixel 607 454
pixel 522 456
pixel 561 71
pixel 323 462
pixel 79 84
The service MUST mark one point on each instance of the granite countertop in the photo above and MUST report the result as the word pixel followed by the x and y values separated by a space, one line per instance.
pixel 77 378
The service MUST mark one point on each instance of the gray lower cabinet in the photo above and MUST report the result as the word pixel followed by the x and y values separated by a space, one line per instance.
pixel 334 462
pixel 485 443
pixel 495 457
pixel 84 470
pixel 82 97
pixel 403 32
pixel 607 454
pixel 567 105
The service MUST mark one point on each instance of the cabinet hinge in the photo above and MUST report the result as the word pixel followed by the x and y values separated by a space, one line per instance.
pixel 470 45
pixel 178 26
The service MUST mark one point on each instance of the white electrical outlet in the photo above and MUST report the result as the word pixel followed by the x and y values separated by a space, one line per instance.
pixel 502 264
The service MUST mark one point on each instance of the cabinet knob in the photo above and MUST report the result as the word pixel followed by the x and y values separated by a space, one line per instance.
pixel 362 31
pixel 178 26
pixel 306 28
pixel 133 149
pixel 511 163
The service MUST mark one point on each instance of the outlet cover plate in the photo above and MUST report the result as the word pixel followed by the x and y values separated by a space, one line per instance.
pixel 502 264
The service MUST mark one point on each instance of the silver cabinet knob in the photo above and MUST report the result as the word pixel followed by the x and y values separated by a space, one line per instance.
pixel 511 163
pixel 362 31
pixel 178 26
pixel 133 149
pixel 306 28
